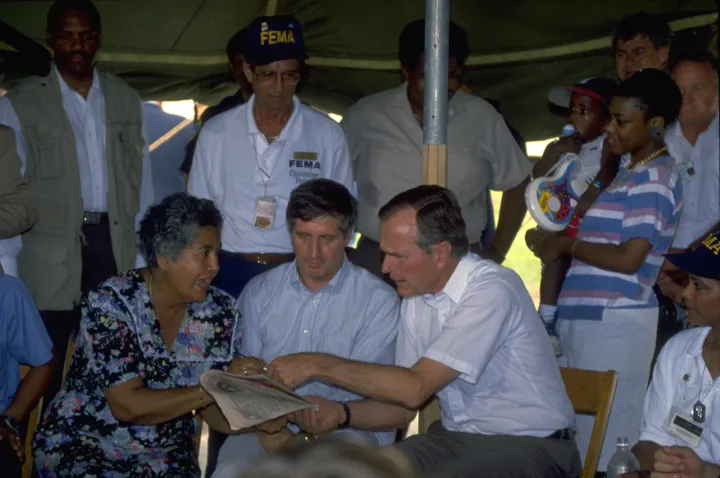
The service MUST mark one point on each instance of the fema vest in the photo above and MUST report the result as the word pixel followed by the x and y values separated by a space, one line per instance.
pixel 50 262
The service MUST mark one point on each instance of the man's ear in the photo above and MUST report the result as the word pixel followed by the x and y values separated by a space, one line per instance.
pixel 405 74
pixel 248 72
pixel 664 54
pixel 441 253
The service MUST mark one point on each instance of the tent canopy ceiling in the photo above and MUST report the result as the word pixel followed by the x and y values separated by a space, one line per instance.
pixel 175 49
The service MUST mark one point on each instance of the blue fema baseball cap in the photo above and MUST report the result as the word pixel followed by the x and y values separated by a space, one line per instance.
pixel 270 39
pixel 703 261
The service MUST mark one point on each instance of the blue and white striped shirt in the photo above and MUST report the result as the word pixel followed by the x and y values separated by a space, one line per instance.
pixel 355 317
pixel 646 204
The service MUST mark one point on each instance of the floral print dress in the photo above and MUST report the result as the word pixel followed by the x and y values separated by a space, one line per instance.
pixel 120 339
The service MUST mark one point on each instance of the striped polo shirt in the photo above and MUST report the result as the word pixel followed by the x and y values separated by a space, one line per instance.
pixel 644 204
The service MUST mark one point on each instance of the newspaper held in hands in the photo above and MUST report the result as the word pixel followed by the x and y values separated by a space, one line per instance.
pixel 248 400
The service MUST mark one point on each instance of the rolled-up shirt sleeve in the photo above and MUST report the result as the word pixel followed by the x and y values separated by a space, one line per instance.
pixel 474 332
pixel 510 167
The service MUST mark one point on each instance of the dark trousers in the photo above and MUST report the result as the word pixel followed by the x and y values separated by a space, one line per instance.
pixel 440 453
pixel 234 274
pixel 10 466
pixel 98 264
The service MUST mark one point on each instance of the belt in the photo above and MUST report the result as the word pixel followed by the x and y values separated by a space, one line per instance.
pixel 95 218
pixel 261 257
pixel 564 434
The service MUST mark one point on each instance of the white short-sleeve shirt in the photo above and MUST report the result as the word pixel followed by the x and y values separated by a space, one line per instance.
pixel 386 140
pixel 679 380
pixel 484 325
pixel 235 166
pixel 699 167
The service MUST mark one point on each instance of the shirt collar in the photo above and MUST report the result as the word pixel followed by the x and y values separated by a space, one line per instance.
pixel 595 143
pixel 65 88
pixel 455 285
pixel 335 282
pixel 675 132
pixel 252 128
pixel 695 346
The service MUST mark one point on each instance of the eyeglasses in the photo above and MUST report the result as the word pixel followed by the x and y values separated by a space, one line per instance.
pixel 268 77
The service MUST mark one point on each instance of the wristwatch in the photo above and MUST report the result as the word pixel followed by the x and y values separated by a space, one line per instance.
pixel 11 423
pixel 346 423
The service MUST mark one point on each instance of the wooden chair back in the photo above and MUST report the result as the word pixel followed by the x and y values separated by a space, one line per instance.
pixel 591 392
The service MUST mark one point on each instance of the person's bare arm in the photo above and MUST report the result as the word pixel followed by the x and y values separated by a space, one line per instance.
pixel 625 258
pixel 131 401
pixel 31 388
pixel 510 219
pixel 409 388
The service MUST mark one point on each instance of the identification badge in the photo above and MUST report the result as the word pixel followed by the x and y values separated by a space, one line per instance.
pixel 684 428
pixel 305 156
pixel 264 212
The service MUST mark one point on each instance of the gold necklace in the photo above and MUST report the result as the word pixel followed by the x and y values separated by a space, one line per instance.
pixel 617 182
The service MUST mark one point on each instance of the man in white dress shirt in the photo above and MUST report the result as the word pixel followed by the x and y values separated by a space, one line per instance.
pixel 249 158
pixel 470 336
pixel 79 136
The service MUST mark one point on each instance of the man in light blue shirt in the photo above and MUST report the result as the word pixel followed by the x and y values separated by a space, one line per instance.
pixel 23 340
pixel 319 303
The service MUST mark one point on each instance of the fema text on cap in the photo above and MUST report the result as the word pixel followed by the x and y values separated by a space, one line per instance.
pixel 273 37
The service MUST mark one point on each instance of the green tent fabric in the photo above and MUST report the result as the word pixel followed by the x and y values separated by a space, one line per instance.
pixel 174 49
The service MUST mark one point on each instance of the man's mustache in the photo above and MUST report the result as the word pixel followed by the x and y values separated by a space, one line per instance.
pixel 83 54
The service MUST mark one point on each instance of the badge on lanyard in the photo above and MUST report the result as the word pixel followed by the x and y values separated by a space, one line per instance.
pixel 682 427
pixel 264 212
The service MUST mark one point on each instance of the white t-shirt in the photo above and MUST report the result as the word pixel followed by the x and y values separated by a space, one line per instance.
pixel 680 379
pixel 484 325
pixel 235 166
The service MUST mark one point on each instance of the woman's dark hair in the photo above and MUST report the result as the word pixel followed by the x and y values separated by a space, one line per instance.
pixel 171 226
pixel 654 92
pixel 412 44
pixel 646 24
pixel 438 217
pixel 59 7
pixel 322 197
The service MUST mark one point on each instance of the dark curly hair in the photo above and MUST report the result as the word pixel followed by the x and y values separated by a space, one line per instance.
pixel 171 225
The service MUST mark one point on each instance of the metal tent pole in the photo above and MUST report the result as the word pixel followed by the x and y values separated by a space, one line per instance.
pixel 437 24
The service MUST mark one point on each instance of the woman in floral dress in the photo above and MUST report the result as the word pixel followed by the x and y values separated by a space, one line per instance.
pixel 145 338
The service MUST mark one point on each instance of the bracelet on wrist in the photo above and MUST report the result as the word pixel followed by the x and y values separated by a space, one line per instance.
pixel 346 423
pixel 598 184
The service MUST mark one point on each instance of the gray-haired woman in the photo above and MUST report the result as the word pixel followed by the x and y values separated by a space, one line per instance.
pixel 145 338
